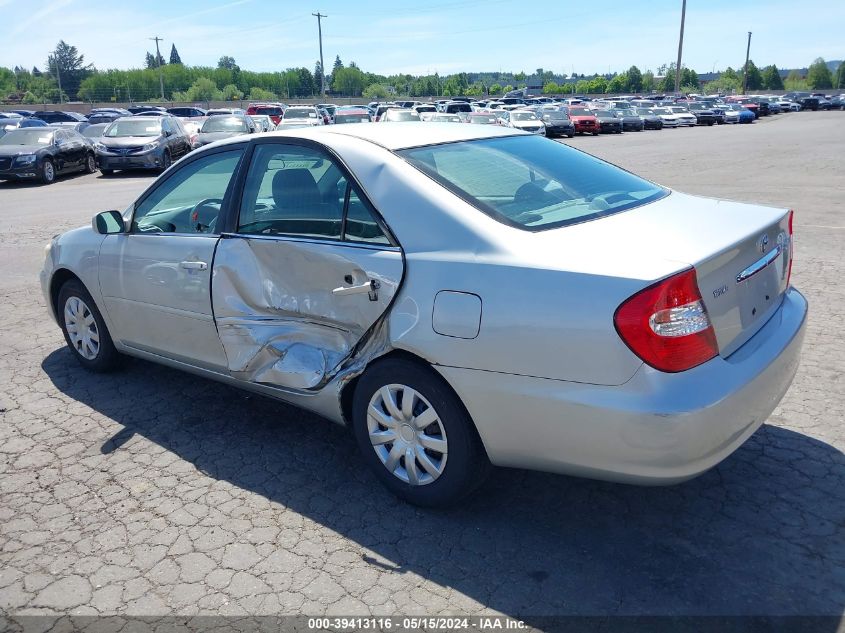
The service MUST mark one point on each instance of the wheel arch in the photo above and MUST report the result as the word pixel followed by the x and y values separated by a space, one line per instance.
pixel 347 392
pixel 60 277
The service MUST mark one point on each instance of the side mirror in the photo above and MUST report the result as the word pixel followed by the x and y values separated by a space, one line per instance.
pixel 108 223
pixel 169 133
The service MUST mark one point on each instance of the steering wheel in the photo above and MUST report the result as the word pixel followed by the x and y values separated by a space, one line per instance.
pixel 203 215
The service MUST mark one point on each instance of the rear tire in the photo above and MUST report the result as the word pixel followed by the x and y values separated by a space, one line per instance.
pixel 85 332
pixel 413 463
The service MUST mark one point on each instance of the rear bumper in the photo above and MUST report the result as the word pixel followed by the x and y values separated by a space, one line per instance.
pixel 658 428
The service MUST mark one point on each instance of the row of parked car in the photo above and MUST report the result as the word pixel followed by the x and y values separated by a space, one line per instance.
pixel 41 145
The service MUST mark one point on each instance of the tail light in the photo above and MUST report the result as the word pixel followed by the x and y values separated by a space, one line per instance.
pixel 667 324
pixel 791 252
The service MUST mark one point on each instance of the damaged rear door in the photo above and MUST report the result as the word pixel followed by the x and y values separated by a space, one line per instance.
pixel 300 288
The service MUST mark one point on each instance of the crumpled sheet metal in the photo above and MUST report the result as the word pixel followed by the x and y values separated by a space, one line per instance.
pixel 276 315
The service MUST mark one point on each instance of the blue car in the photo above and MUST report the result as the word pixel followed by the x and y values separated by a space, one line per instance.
pixel 746 116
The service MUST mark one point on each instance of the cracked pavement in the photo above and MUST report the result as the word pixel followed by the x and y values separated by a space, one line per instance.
pixel 152 492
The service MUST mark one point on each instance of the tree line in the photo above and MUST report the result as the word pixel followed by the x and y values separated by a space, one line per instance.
pixel 65 77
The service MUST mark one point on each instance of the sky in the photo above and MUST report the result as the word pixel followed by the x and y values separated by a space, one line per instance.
pixel 424 36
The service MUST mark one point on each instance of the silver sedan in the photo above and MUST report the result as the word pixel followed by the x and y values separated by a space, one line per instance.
pixel 460 295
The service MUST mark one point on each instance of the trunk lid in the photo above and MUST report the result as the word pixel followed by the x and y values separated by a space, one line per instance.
pixel 740 252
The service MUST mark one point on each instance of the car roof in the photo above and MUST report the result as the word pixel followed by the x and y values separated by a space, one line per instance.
pixel 391 137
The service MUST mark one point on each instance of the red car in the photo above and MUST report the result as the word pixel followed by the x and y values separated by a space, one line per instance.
pixel 746 103
pixel 274 110
pixel 585 121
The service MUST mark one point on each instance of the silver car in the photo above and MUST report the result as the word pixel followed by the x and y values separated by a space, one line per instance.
pixel 460 295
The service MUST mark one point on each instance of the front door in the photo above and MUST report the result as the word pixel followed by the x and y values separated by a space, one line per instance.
pixel 155 279
pixel 308 273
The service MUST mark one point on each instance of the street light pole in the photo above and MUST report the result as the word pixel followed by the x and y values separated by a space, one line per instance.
pixel 157 39
pixel 745 72
pixel 319 17
pixel 680 48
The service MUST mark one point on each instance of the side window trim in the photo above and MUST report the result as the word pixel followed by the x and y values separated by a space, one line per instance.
pixel 231 227
pixel 186 162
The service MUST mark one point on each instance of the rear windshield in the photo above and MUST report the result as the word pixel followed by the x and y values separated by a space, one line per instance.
pixel 352 117
pixel 300 113
pixel 530 182
pixel 224 124
pixel 270 110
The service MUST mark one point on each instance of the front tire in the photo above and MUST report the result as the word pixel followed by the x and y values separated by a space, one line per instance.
pixel 166 161
pixel 415 435
pixel 106 172
pixel 48 172
pixel 85 332
pixel 90 164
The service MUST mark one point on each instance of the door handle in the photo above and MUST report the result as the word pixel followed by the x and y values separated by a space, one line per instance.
pixel 369 287
pixel 194 265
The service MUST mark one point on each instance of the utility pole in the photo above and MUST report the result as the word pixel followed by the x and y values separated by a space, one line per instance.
pixel 319 17
pixel 680 48
pixel 157 39
pixel 745 72
pixel 59 79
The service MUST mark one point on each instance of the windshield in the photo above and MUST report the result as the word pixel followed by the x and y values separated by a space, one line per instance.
pixel 94 131
pixel 27 137
pixel 580 112
pixel 134 128
pixel 643 111
pixel 446 118
pixel 523 116
pixel 224 124
pixel 531 183
pixel 556 116
pixel 300 113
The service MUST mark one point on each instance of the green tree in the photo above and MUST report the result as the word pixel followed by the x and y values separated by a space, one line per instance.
pixel 648 83
pixel 227 63
pixel 755 77
pixel 507 89
pixel 794 81
pixel 724 84
pixel 689 78
pixel 66 62
pixel 475 90
pixel 375 91
pixel 260 94
pixel 231 93
pixel 819 76
pixel 29 98
pixel 597 85
pixel 839 79
pixel 519 77
pixel 771 78
pixel 618 84
pixel 203 89
pixel 635 79
pixel 348 81
pixel 174 55
pixel 551 88
pixel 496 89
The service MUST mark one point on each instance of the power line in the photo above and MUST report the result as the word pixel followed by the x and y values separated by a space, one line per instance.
pixel 157 39
pixel 319 17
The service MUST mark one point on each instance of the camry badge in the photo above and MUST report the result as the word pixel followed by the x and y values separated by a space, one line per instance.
pixel 763 242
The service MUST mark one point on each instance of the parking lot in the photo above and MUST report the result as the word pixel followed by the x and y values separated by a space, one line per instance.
pixel 153 492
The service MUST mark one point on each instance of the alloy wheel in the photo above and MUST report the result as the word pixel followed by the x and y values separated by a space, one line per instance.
pixel 407 434
pixel 82 328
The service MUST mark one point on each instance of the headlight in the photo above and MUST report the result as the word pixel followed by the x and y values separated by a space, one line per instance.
pixel 149 147
pixel 25 160
pixel 47 248
pixel 100 147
